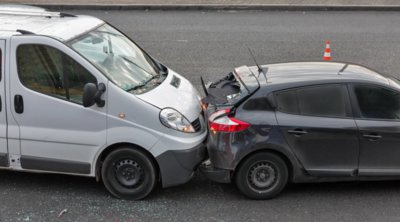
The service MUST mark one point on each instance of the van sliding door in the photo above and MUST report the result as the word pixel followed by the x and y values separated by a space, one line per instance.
pixel 3 121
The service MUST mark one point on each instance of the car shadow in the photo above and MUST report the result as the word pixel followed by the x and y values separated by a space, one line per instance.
pixel 199 187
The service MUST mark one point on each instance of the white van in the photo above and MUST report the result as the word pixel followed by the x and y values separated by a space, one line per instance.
pixel 79 97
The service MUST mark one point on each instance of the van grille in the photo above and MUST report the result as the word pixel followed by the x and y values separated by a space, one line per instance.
pixel 196 125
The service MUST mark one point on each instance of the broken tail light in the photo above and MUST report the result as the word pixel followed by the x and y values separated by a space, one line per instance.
pixel 221 121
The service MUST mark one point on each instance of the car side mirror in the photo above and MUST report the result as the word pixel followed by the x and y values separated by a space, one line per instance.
pixel 92 94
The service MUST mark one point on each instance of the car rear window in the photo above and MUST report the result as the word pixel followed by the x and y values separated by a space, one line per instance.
pixel 322 100
pixel 287 101
pixel 260 104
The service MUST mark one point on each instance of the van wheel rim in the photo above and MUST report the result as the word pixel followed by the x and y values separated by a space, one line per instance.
pixel 128 173
pixel 262 175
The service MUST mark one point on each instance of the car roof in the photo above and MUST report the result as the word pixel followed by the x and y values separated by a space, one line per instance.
pixel 30 19
pixel 318 72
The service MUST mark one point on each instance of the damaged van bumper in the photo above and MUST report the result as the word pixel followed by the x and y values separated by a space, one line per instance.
pixel 178 166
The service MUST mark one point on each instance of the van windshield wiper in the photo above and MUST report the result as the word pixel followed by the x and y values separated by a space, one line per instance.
pixel 136 87
pixel 135 64
pixel 152 77
pixel 144 83
pixel 157 76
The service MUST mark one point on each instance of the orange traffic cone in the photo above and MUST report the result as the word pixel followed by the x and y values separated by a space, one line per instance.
pixel 327 54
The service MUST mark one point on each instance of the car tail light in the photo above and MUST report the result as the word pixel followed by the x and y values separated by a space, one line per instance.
pixel 220 121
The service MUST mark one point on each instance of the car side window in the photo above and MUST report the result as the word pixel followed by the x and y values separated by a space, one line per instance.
pixel 377 102
pixel 322 100
pixel 287 101
pixel 49 71
pixel 260 104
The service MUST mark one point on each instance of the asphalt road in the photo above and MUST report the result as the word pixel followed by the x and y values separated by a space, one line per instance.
pixel 211 44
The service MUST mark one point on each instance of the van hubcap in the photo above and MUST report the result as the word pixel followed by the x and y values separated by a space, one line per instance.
pixel 262 175
pixel 128 173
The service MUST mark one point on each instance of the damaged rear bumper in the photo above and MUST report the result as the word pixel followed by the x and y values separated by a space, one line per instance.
pixel 215 174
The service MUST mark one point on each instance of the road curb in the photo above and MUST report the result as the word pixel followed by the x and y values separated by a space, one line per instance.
pixel 214 7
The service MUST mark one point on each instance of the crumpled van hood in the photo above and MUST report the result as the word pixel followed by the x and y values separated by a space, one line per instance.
pixel 175 92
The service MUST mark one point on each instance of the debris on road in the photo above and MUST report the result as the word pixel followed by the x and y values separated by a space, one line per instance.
pixel 62 213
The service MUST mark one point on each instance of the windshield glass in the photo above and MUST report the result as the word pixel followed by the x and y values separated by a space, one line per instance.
pixel 123 62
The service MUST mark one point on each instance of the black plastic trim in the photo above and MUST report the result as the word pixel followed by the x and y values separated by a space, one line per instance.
pixel 215 174
pixel 18 104
pixel 47 164
pixel 63 14
pixel 175 82
pixel 25 32
pixel 379 172
pixel 332 172
pixel 4 160
pixel 177 166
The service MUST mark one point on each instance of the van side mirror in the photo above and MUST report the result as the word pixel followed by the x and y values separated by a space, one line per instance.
pixel 92 94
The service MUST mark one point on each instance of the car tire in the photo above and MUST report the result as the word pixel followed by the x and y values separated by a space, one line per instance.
pixel 262 176
pixel 128 173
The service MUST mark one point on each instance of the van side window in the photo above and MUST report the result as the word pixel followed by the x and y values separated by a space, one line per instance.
pixel 377 102
pixel 322 100
pixel 49 71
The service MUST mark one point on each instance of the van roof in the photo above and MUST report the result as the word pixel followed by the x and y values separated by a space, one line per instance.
pixel 14 18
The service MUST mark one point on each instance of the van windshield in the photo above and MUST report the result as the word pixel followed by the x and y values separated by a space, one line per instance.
pixel 123 62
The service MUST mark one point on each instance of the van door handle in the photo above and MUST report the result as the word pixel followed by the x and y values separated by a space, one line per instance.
pixel 297 132
pixel 18 104
pixel 372 137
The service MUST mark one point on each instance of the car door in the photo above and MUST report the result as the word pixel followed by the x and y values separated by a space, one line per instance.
pixel 46 86
pixel 378 119
pixel 318 126
pixel 3 120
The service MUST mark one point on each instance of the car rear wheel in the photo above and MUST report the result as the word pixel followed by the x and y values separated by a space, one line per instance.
pixel 128 174
pixel 262 176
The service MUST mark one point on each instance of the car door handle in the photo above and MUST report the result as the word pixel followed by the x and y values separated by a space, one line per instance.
pixel 372 137
pixel 297 132
pixel 18 104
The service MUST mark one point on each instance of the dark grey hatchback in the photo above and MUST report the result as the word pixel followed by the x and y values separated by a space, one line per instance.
pixel 302 122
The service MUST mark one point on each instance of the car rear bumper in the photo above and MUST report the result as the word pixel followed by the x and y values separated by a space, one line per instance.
pixel 178 166
pixel 215 174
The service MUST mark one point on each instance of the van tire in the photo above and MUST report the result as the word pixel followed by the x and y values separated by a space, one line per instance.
pixel 128 174
pixel 262 176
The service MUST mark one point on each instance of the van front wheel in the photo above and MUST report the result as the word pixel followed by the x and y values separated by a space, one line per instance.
pixel 128 174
